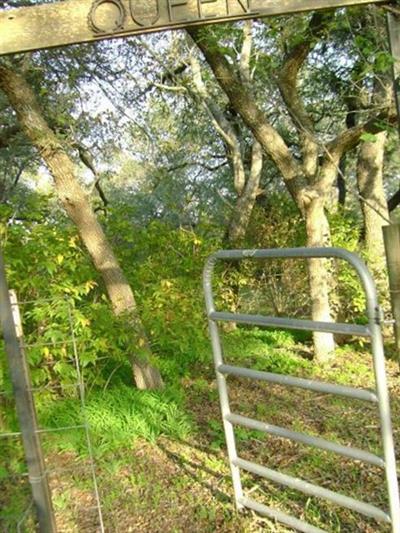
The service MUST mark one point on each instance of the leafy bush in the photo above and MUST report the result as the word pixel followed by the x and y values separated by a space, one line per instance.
pixel 350 298
pixel 164 265
pixel 48 267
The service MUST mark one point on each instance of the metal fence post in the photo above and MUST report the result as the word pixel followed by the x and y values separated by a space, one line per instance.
pixel 25 407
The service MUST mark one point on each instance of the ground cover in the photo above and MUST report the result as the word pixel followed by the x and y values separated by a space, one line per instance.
pixel 161 460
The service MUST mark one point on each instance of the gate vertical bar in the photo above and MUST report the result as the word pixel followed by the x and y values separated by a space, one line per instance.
pixel 25 410
pixel 374 316
pixel 222 387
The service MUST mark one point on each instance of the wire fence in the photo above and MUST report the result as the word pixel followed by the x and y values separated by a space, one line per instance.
pixel 17 511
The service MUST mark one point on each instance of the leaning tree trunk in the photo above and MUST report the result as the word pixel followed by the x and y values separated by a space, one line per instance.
pixel 78 208
pixel 318 235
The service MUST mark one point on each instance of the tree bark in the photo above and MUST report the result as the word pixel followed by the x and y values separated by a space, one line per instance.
pixel 78 208
pixel 318 235
pixel 373 199
pixel 246 201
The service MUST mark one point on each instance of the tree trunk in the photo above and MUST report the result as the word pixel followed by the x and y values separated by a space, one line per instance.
pixel 318 235
pixel 373 200
pixel 78 208
pixel 245 203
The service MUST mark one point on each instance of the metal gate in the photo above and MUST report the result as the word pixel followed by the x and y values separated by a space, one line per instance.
pixel 378 396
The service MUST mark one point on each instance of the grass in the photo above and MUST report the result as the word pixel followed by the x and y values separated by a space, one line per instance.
pixel 161 459
pixel 272 351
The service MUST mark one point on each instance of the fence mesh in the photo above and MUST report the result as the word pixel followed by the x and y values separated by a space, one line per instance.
pixel 17 512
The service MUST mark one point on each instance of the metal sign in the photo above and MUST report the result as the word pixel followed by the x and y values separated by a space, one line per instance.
pixel 76 21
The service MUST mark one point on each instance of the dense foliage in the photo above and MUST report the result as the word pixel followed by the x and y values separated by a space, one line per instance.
pixel 164 265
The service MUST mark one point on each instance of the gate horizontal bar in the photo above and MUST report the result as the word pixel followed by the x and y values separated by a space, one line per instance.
pixel 292 323
pixel 354 453
pixel 293 253
pixel 10 435
pixel 302 252
pixel 291 381
pixel 280 516
pixel 313 490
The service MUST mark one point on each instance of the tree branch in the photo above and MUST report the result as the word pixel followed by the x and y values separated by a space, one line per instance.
pixel 87 159
pixel 350 138
pixel 243 102
pixel 288 86
pixel 222 126
pixel 245 53
pixel 210 168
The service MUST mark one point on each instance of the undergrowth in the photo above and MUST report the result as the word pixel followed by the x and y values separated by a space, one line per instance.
pixel 184 438
pixel 117 417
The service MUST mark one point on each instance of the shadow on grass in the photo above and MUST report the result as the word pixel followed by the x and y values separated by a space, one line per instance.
pixel 192 468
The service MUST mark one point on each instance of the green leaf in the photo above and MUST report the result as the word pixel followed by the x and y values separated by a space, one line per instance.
pixel 368 137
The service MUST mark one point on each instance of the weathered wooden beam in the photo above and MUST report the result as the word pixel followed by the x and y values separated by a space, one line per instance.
pixel 76 21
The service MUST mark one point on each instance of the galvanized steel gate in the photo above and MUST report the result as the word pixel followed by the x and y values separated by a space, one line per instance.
pixel 379 395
